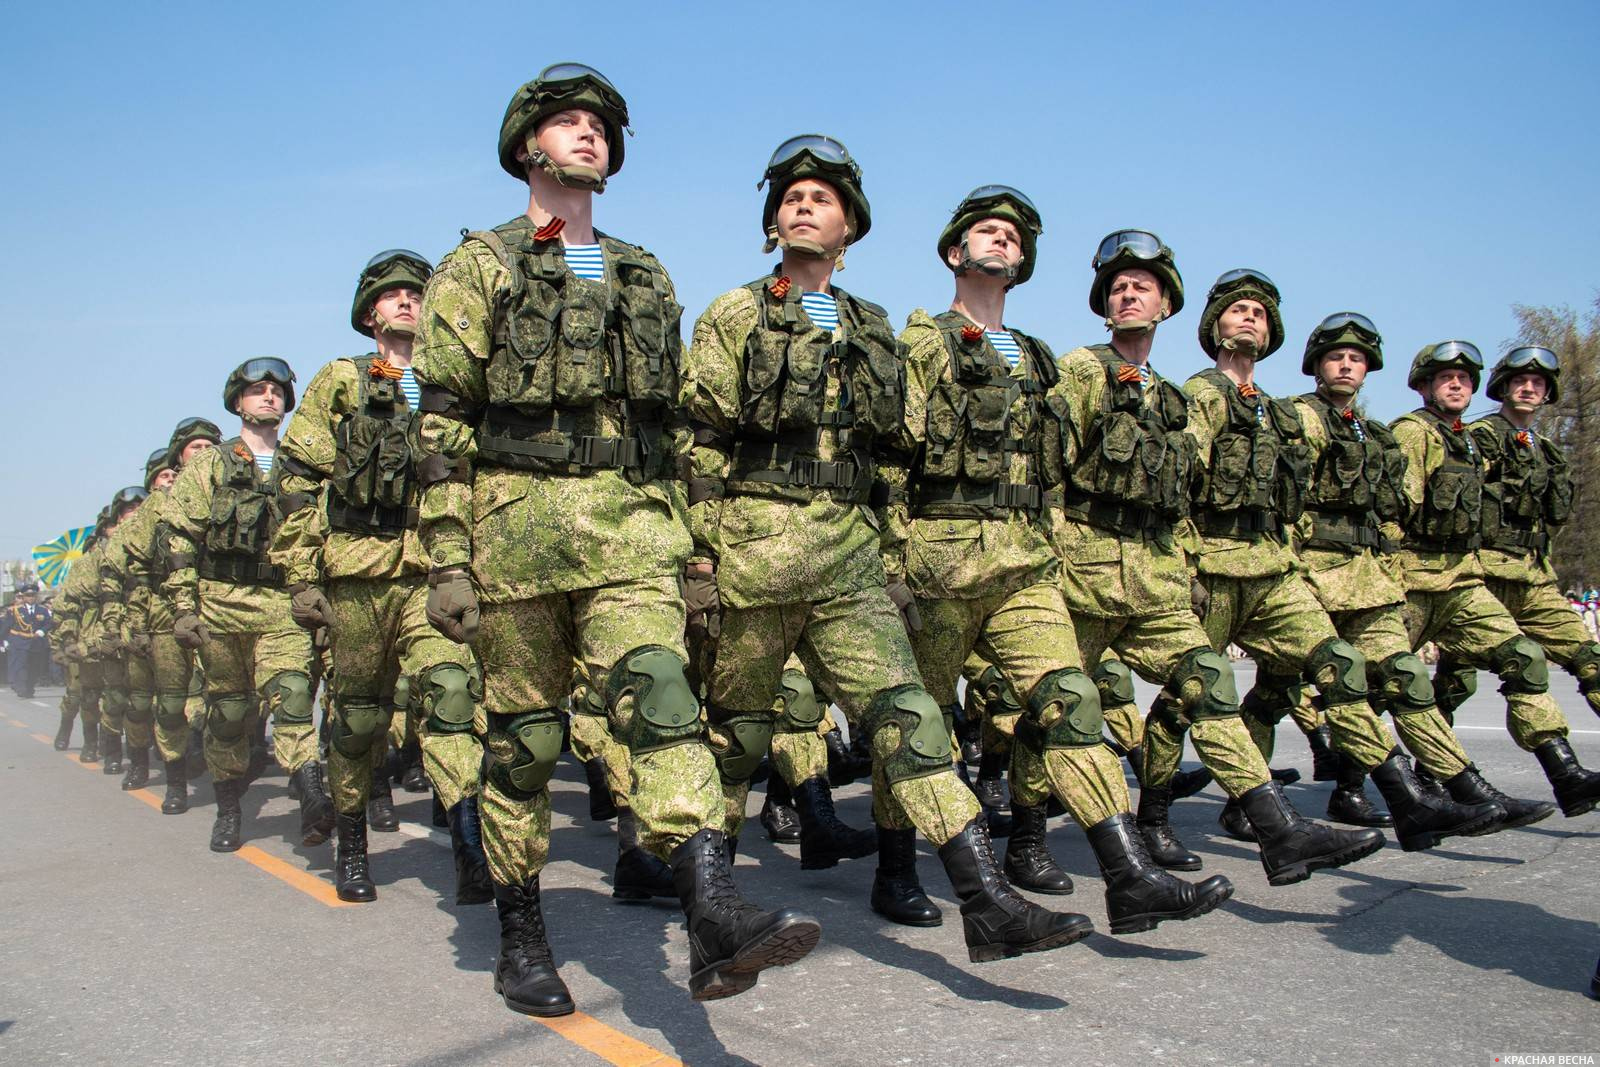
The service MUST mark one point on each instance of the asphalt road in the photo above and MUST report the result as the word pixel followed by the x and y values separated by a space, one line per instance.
pixel 126 941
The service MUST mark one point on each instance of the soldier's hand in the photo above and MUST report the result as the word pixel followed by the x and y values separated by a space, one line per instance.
pixel 320 639
pixel 190 632
pixel 702 602
pixel 309 606
pixel 453 604
pixel 901 594
pixel 1199 597
pixel 138 644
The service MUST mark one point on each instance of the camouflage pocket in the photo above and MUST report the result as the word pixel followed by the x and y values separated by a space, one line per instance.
pixel 1231 471
pixel 946 413
pixel 649 365
pixel 580 354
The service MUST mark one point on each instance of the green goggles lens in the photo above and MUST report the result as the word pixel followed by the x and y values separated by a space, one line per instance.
pixel 158 459
pixel 1142 244
pixel 1532 356
pixel 197 427
pixel 1457 352
pixel 1341 320
pixel 994 194
pixel 385 257
pixel 820 147
pixel 267 368
pixel 133 494
pixel 572 72
pixel 1245 275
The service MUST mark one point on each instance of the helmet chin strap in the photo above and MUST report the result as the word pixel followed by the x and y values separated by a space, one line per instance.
pixel 993 266
pixel 573 176
pixel 1243 343
pixel 383 325
pixel 1138 326
pixel 806 246
pixel 261 420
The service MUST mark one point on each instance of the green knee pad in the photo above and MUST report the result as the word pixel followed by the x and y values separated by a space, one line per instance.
pixel 802 711
pixel 1339 672
pixel 356 724
pixel 1454 683
pixel 115 702
pixel 1272 697
pixel 535 748
pixel 170 710
pixel 924 742
pixel 400 699
pixel 141 706
pixel 738 740
pixel 1585 667
pixel 227 715
pixel 999 698
pixel 1203 687
pixel 1063 712
pixel 665 712
pixel 448 699
pixel 1521 665
pixel 288 695
pixel 1115 682
pixel 1401 682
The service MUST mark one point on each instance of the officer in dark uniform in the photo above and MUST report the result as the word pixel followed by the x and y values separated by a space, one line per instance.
pixel 27 621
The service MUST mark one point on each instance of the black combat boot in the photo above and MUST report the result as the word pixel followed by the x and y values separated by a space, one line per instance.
pixel 316 810
pixel 1188 783
pixel 194 757
pixel 998 921
pixel 824 840
pixel 473 884
pixel 63 739
pixel 110 752
pixel 413 779
pixel 841 766
pixel 227 833
pixel 992 795
pixel 639 876
pixel 778 816
pixel 176 801
pixel 1135 758
pixel 896 893
pixel 1163 845
pixel 602 808
pixel 1028 862
pixel 1577 790
pixel 1140 894
pixel 1292 847
pixel 1234 824
pixel 438 816
pixel 90 752
pixel 860 755
pixel 1470 787
pixel 381 818
pixel 525 975
pixel 1349 803
pixel 1324 760
pixel 1422 820
pixel 731 940
pixel 350 876
pixel 138 775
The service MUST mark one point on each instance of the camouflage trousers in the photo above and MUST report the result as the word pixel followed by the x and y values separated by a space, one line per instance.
pixel 527 650
pixel 852 647
pixel 1546 616
pixel 1280 622
pixel 1468 624
pixel 241 664
pixel 381 648
pixel 798 752
pixel 1028 635
pixel 113 694
pixel 173 676
pixel 83 684
pixel 1152 646
pixel 139 717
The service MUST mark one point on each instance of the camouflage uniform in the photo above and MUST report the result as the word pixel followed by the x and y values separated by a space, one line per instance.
pixel 75 604
pixel 125 590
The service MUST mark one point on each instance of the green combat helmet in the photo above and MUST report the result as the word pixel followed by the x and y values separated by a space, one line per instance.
pixel 1129 250
pixel 100 522
pixel 153 466
pixel 263 369
pixel 814 155
pixel 994 202
pixel 1241 284
pixel 125 501
pixel 1343 329
pixel 1531 359
pixel 1461 355
pixel 194 428
pixel 558 87
pixel 396 268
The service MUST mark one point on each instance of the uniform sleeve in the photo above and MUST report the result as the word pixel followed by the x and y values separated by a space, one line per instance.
pixel 451 354
pixel 111 579
pixel 1075 399
pixel 713 373
pixel 306 453
pixel 186 512
pixel 1421 459
pixel 927 363
pixel 1208 413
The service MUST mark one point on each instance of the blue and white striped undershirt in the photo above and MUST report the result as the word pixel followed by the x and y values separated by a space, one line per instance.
pixel 586 261
pixel 822 309
pixel 409 386
pixel 264 461
pixel 1005 344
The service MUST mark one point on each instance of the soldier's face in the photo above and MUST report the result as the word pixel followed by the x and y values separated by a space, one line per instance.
pixel 396 309
pixel 193 449
pixel 575 138
pixel 1449 390
pixel 262 401
pixel 812 211
pixel 1526 392
pixel 1343 369
pixel 1134 296
pixel 992 240
pixel 164 478
pixel 1245 317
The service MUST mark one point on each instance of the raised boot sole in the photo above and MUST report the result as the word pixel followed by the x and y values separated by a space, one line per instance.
pixel 1477 827
pixel 785 943
pixel 1299 872
pixel 821 857
pixel 1142 921
pixel 1529 819
pixel 988 952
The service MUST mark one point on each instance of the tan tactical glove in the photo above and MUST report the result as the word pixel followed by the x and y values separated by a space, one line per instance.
pixel 702 602
pixel 190 632
pixel 1199 597
pixel 309 607
pixel 901 594
pixel 138 643
pixel 453 604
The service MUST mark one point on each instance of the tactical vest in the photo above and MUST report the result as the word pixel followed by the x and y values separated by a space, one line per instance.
pixel 1259 472
pixel 1450 518
pixel 243 520
pixel 1527 491
pixel 570 357
pixel 1356 484
pixel 1133 469
pixel 374 466
pixel 786 411
pixel 978 420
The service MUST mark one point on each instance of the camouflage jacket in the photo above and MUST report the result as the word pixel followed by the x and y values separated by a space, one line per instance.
pixel 1542 460
pixel 1426 569
pixel 125 578
pixel 78 602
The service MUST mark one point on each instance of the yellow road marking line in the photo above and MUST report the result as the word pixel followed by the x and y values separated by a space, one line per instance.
pixel 43 738
pixel 307 883
pixel 147 796
pixel 613 1046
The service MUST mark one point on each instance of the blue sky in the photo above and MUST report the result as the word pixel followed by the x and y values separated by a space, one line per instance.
pixel 190 185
